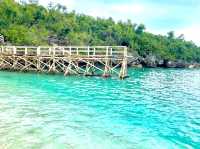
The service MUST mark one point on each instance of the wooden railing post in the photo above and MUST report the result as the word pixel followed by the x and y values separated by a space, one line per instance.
pixel 38 51
pixel 123 71
pixel 125 52
pixel 63 51
pixel 26 51
pixel 94 52
pixel 70 50
pixel 88 49
pixel 54 51
pixel 14 50
pixel 107 64
pixel 111 51
pixel 49 50
pixel 77 53
pixel 38 60
pixel 107 48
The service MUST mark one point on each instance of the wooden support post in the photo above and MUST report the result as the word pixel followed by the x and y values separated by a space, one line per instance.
pixel 107 67
pixel 53 60
pixel 92 69
pixel 38 59
pixel 89 68
pixel 26 52
pixel 69 67
pixel 86 73
pixel 123 71
pixel 38 64
pixel 54 51
pixel 77 67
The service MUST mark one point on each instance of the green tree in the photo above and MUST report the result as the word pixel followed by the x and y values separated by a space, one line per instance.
pixel 27 23
pixel 171 35
pixel 140 29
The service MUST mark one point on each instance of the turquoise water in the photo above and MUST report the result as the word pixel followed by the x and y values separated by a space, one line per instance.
pixel 153 109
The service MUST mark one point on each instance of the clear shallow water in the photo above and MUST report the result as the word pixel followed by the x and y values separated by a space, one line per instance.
pixel 154 108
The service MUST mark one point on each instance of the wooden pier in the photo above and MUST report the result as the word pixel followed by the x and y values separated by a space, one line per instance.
pixel 105 61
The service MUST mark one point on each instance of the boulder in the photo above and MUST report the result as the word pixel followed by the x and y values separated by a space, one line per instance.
pixel 175 64
pixel 137 66
pixel 194 65
pixel 181 64
pixel 170 64
pixel 149 61
pixel 54 40
pixel 160 63
pixel 191 66
pixel 133 60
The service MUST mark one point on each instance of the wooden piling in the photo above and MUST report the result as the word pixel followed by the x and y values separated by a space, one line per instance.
pixel 123 71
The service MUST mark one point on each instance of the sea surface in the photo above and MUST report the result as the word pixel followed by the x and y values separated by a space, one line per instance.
pixel 152 109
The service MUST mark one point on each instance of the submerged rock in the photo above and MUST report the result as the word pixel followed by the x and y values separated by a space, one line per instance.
pixel 160 63
pixel 149 61
pixel 194 65
pixel 191 66
pixel 137 66
pixel 152 61
pixel 175 64
pixel 170 64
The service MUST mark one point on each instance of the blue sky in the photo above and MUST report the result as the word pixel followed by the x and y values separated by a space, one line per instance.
pixel 159 16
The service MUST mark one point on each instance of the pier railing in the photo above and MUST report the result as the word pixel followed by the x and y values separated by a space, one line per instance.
pixel 67 59
pixel 89 51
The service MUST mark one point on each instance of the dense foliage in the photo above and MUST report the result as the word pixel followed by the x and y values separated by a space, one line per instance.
pixel 31 24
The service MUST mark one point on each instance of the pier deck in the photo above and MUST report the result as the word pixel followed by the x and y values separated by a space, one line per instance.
pixel 69 60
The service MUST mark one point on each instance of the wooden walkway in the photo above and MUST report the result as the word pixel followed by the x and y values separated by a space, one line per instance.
pixel 70 60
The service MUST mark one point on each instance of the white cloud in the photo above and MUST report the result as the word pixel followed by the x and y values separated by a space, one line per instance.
pixel 191 33
pixel 68 3
pixel 127 8
pixel 138 12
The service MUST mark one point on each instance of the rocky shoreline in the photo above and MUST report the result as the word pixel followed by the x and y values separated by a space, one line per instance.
pixel 153 62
